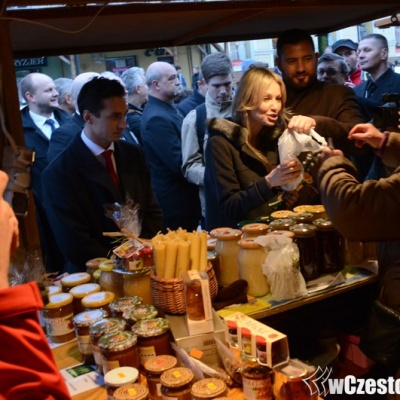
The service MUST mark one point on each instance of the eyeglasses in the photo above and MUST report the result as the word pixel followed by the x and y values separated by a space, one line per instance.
pixel 328 71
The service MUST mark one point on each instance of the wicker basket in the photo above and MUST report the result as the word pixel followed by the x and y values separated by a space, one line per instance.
pixel 169 294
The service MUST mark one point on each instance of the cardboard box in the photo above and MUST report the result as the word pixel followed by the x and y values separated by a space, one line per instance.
pixel 204 342
pixel 277 347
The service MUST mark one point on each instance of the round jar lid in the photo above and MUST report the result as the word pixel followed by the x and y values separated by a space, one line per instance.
pixel 139 312
pixel 151 327
pixel 324 224
pixel 232 325
pixel 118 341
pixel 306 217
pixel 208 388
pixel 260 340
pixel 53 289
pixel 303 230
pixel 159 364
pixel 289 234
pixel 59 300
pixel 313 209
pixel 226 233
pixel 75 279
pixel 246 333
pixel 125 303
pixel 281 223
pixel 95 262
pixel 121 376
pixel 98 299
pixel 132 391
pixel 87 318
pixel 81 291
pixel 282 214
pixel 108 265
pixel 255 228
pixel 248 243
pixel 176 377
pixel 106 326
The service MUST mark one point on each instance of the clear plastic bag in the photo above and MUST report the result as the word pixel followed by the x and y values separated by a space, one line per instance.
pixel 291 144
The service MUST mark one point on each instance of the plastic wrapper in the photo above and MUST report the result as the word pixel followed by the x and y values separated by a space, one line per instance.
pixel 291 144
pixel 229 361
pixel 281 267
pixel 184 360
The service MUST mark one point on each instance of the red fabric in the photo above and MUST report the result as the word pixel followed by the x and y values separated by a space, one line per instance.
pixel 27 366
pixel 355 76
pixel 110 166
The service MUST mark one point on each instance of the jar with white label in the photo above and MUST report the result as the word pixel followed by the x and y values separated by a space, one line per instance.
pixel 227 249
pixel 251 257
pixel 58 314
pixel 118 377
pixel 82 323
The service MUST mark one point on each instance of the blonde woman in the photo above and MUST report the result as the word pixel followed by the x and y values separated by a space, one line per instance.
pixel 243 173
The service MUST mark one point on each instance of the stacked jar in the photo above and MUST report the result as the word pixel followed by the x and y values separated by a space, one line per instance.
pixel 138 313
pixel 117 307
pixel 93 265
pixel 71 280
pixel 110 280
pixel 79 292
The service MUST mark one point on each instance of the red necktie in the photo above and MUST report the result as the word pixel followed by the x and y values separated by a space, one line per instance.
pixel 110 166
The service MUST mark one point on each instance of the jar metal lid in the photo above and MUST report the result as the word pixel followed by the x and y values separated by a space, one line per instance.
pixel 248 243
pixel 261 340
pixel 246 333
pixel 121 376
pixel 53 289
pixel 108 265
pixel 159 364
pixel 132 391
pixel 305 230
pixel 106 326
pixel 87 318
pixel 59 300
pixel 75 279
pixel 98 299
pixel 324 224
pixel 209 387
pixel 226 233
pixel 256 227
pixel 292 371
pixel 176 377
pixel 125 303
pixel 139 312
pixel 81 291
pixel 118 341
pixel 151 327
pixel 95 262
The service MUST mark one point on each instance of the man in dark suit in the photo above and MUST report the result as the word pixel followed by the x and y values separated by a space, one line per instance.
pixel 81 181
pixel 161 137
pixel 40 118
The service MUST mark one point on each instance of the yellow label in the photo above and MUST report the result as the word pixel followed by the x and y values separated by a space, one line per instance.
pixel 121 375
pixel 176 374
pixel 211 386
pixel 132 392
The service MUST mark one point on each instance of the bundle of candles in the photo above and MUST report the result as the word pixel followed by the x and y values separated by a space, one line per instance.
pixel 179 251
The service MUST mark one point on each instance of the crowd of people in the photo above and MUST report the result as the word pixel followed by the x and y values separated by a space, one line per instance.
pixel 213 158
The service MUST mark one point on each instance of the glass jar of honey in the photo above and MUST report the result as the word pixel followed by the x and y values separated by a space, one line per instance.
pixel 99 329
pixel 58 314
pixel 132 391
pixel 208 389
pixel 82 322
pixel 154 338
pixel 138 313
pixel 138 284
pixel 251 257
pixel 176 384
pixel 254 230
pixel 282 224
pixel 94 264
pixel 100 300
pixel 110 280
pixel 154 367
pixel 119 377
pixel 71 280
pixel 306 240
pixel 119 350
pixel 117 307
pixel 227 249
pixel 79 292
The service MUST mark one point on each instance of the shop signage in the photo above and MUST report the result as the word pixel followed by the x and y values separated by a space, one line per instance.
pixel 30 62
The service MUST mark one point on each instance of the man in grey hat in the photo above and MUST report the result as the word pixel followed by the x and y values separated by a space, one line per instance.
pixel 348 50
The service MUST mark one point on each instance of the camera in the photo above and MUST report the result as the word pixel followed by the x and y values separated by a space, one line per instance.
pixel 387 116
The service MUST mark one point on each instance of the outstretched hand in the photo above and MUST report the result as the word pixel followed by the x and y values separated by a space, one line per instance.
pixel 284 173
pixel 366 133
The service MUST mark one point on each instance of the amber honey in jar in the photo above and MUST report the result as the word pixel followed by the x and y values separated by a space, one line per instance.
pixel 254 230
pixel 227 249
pixel 100 300
pixel 58 314
pixel 251 257
pixel 82 322
pixel 306 240
pixel 176 384
pixel 154 367
pixel 71 280
pixel 132 391
pixel 110 280
pixel 119 377
pixel 119 350
pixel 302 218
pixel 117 307
pixel 212 257
pixel 331 247
pixel 99 329
pixel 138 284
pixel 94 264
pixel 154 338
pixel 141 311
pixel 79 292
pixel 208 388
